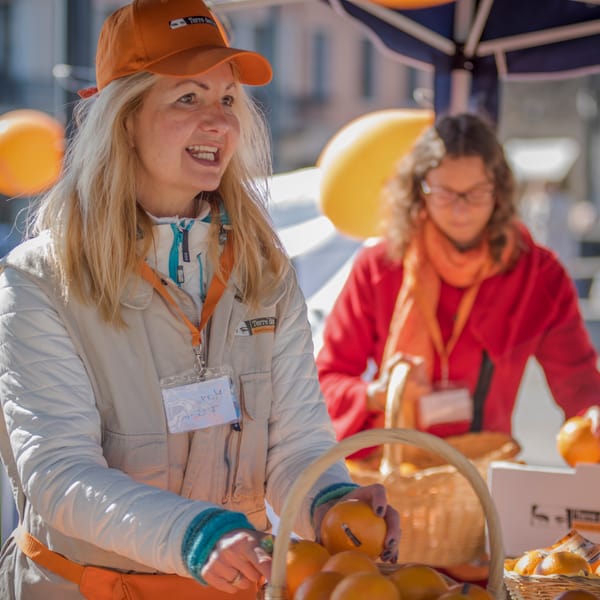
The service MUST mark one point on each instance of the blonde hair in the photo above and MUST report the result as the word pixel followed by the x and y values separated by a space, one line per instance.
pixel 100 233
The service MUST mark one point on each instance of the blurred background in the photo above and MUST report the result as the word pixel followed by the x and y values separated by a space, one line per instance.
pixel 329 70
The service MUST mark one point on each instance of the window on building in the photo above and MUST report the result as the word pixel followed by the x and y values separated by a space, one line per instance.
pixel 4 38
pixel 412 83
pixel 367 69
pixel 320 66
pixel 264 40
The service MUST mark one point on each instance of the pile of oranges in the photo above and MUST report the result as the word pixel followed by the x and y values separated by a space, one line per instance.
pixel 555 562
pixel 343 566
pixel 572 556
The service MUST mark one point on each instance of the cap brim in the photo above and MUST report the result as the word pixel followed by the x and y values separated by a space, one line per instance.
pixel 252 68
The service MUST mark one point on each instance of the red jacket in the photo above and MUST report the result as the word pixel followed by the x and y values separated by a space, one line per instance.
pixel 532 310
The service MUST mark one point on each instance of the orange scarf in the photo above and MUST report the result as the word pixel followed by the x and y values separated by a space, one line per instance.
pixel 431 256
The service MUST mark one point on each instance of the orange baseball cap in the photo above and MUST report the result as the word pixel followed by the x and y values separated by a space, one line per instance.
pixel 170 37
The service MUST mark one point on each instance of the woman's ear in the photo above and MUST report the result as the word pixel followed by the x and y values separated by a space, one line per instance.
pixel 130 129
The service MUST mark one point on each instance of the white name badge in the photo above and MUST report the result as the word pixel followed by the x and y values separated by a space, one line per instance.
pixel 447 405
pixel 200 404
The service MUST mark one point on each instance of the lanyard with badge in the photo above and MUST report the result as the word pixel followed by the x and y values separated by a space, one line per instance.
pixel 448 402
pixel 202 397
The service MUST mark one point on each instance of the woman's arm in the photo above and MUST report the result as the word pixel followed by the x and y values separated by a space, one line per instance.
pixel 565 352
pixel 54 430
pixel 299 429
pixel 348 344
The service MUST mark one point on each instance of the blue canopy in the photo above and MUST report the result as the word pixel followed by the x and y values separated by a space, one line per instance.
pixel 473 44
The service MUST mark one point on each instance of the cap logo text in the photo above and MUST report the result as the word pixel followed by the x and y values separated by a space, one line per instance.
pixel 184 21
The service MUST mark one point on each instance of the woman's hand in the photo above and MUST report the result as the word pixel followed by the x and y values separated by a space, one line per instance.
pixel 593 414
pixel 237 561
pixel 374 495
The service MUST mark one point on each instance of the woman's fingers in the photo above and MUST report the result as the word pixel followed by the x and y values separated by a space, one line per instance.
pixel 237 562
pixel 392 538
pixel 374 495
pixel 593 414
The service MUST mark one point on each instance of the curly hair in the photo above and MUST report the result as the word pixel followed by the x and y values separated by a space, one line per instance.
pixel 451 136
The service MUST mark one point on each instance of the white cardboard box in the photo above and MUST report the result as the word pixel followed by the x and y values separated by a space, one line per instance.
pixel 538 505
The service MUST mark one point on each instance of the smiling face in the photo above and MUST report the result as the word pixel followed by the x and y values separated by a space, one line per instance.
pixel 461 221
pixel 184 134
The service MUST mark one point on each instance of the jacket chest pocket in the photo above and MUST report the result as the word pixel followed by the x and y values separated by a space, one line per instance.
pixel 249 446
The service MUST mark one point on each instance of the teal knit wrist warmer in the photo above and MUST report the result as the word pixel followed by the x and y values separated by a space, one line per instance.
pixel 331 492
pixel 204 532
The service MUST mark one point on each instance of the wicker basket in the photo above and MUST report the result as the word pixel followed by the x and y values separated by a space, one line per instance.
pixel 276 589
pixel 547 587
pixel 441 517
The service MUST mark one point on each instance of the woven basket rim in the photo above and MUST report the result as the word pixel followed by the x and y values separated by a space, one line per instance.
pixel 545 579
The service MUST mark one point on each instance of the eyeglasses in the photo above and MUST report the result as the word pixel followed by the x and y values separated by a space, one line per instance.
pixel 442 197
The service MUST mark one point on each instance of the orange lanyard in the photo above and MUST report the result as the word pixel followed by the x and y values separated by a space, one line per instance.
pixel 215 291
pixel 464 310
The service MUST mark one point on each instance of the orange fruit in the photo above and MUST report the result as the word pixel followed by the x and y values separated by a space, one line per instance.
pixel 304 557
pixel 350 561
pixel 418 582
pixel 563 562
pixel 576 595
pixel 365 585
pixel 318 586
pixel 353 525
pixel 452 596
pixel 469 571
pixel 529 561
pixel 509 563
pixel 471 590
pixel 407 468
pixel 576 443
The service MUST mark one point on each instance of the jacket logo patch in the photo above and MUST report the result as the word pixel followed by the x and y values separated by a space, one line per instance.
pixel 256 326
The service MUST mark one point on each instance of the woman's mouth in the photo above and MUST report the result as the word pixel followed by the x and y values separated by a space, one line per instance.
pixel 202 152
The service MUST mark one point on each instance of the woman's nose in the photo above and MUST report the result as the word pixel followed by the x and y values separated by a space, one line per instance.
pixel 214 118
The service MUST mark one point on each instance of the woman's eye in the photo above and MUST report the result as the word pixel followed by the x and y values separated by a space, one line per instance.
pixel 228 100
pixel 187 98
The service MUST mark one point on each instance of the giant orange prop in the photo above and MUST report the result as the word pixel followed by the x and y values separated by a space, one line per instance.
pixel 359 159
pixel 31 152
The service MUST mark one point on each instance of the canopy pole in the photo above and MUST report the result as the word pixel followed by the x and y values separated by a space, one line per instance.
pixel 460 90
pixel 460 75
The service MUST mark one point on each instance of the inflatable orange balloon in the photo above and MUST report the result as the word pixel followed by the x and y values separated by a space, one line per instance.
pixel 410 4
pixel 31 152
pixel 357 161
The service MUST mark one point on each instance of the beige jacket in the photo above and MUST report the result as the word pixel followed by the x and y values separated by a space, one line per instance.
pixel 97 476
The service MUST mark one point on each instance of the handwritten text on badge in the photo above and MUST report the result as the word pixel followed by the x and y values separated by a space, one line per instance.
pixel 199 405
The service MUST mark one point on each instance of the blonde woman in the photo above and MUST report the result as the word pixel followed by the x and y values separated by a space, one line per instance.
pixel 156 369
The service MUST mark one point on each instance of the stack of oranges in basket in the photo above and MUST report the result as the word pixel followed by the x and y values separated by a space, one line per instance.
pixel 344 565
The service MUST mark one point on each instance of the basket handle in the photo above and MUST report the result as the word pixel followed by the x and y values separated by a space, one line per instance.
pixel 394 414
pixel 276 588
